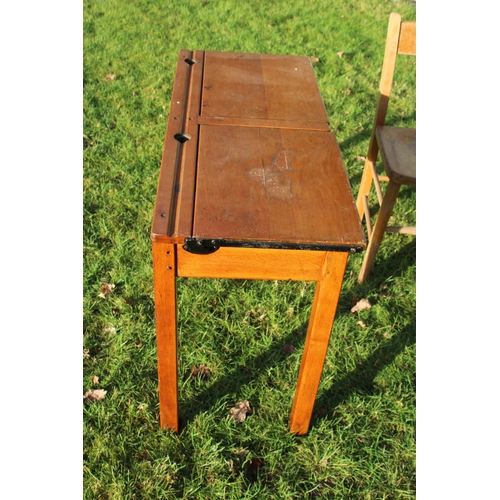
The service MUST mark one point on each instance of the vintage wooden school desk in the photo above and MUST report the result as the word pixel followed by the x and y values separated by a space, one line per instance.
pixel 252 186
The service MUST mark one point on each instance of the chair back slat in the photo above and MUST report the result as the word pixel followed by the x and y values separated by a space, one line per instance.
pixel 408 39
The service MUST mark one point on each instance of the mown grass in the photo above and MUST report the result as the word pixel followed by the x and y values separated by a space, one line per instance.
pixel 361 442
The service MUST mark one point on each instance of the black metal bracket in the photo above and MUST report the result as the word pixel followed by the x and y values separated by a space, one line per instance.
pixel 195 245
pixel 207 246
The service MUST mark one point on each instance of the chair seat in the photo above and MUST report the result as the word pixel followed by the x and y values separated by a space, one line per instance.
pixel 398 150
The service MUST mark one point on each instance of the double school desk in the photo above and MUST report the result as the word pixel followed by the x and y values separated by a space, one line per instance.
pixel 252 186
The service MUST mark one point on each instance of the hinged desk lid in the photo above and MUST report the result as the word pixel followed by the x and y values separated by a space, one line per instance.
pixel 249 159
pixel 261 90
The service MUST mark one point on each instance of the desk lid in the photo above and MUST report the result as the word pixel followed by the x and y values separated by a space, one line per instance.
pixel 249 159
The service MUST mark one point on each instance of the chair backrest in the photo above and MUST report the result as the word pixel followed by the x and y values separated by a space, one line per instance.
pixel 401 39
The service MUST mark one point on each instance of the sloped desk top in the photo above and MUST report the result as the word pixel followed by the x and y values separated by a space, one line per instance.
pixel 249 160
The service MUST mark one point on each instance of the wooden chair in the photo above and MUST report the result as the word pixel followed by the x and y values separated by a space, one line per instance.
pixel 397 148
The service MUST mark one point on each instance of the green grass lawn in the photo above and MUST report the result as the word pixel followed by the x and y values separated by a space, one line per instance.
pixel 361 442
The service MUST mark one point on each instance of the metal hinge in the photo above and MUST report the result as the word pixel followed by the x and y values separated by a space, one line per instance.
pixel 195 245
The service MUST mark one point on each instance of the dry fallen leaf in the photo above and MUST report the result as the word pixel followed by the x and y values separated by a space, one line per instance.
pixel 110 329
pixel 254 314
pixel 110 76
pixel 239 412
pixel 348 91
pixel 107 288
pixel 253 468
pixel 340 54
pixel 202 372
pixel 361 158
pixel 94 395
pixel 86 353
pixel 361 304
pixel 143 455
pixel 361 324
pixel 314 59
pixel 95 379
pixel 288 348
pixel 87 142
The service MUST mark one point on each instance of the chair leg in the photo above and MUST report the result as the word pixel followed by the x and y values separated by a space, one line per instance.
pixel 164 267
pixel 364 188
pixel 388 202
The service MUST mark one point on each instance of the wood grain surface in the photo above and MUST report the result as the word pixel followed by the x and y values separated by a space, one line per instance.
pixel 266 86
pixel 248 159
pixel 323 311
pixel 257 162
pixel 252 263
pixel 164 267
pixel 257 184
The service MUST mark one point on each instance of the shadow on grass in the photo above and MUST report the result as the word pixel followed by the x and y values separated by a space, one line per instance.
pixel 240 376
pixel 361 379
pixel 391 265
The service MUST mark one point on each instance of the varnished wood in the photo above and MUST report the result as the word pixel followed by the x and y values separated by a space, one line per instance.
pixel 265 86
pixel 318 335
pixel 367 216
pixel 394 31
pixel 170 196
pixel 376 181
pixel 397 146
pixel 408 39
pixel 365 184
pixel 273 185
pixel 164 267
pixel 257 176
pixel 389 64
pixel 402 229
pixel 385 211
pixel 252 263
pixel 249 160
pixel 263 123
pixel 186 180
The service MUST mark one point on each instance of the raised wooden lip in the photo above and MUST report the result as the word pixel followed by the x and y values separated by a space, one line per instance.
pixel 177 184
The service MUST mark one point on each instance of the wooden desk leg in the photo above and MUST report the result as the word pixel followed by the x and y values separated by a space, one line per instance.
pixel 165 270
pixel 323 311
